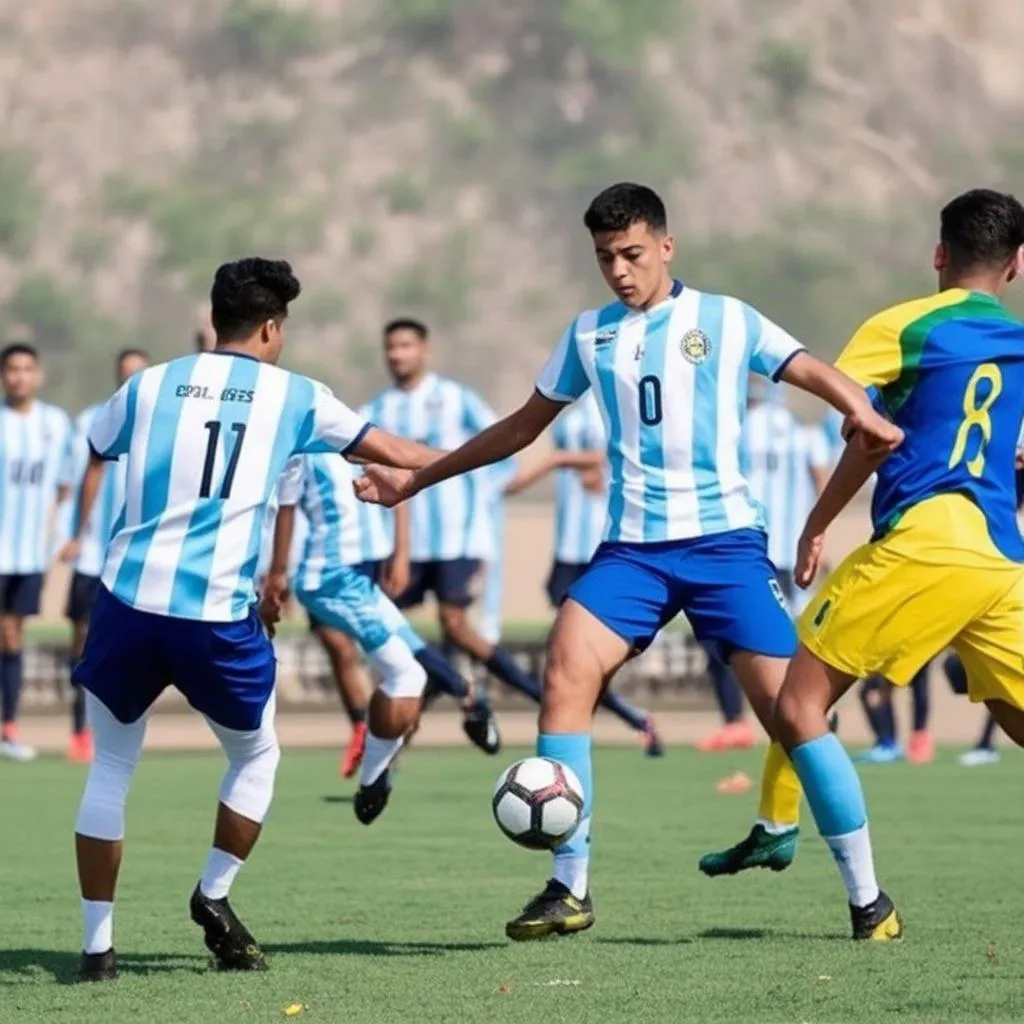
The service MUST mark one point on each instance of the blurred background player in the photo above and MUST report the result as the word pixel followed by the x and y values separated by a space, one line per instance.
pixel 339 590
pixel 450 526
pixel 36 474
pixel 492 597
pixel 581 503
pixel 206 437
pixel 85 579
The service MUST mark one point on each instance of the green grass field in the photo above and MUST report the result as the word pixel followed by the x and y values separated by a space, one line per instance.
pixel 402 922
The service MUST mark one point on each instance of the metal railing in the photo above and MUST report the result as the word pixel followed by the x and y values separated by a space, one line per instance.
pixel 672 673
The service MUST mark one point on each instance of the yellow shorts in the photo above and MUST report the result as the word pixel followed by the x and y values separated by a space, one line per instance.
pixel 935 581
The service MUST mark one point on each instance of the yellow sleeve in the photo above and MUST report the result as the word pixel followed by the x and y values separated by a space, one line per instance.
pixel 873 355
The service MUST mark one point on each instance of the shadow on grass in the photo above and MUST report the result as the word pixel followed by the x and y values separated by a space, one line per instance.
pixel 21 966
pixel 366 947
pixel 336 798
pixel 748 934
pixel 18 966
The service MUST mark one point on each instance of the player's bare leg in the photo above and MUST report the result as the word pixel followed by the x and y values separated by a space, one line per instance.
pixel 80 747
pixel 1010 719
pixel 11 675
pixel 394 710
pixel 833 789
pixel 352 684
pixel 583 655
pixel 772 841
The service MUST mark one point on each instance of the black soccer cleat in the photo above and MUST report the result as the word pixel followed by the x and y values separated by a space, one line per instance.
pixel 98 966
pixel 370 801
pixel 877 922
pixel 232 945
pixel 555 911
pixel 480 725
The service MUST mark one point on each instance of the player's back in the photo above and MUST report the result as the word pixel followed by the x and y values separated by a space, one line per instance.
pixel 950 371
pixel 206 438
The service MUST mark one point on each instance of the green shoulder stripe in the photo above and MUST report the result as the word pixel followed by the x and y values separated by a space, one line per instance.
pixel 915 335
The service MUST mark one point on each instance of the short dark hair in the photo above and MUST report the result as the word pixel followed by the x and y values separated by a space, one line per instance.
pixel 248 292
pixel 982 228
pixel 128 353
pixel 407 323
pixel 622 205
pixel 18 348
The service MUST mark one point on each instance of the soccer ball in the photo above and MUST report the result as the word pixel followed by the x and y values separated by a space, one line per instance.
pixel 538 803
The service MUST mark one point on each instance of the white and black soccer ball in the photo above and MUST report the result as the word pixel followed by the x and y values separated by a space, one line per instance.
pixel 538 803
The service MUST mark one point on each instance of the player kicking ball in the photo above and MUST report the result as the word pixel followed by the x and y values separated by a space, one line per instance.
pixel 668 366
pixel 345 598
pixel 205 439
pixel 945 565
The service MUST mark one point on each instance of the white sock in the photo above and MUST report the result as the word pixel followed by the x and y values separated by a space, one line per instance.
pixel 856 864
pixel 773 828
pixel 573 873
pixel 219 873
pixel 97 926
pixel 377 757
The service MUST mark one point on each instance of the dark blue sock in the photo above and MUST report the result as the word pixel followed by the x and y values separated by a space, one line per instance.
pixel 502 665
pixel 441 673
pixel 634 717
pixel 78 721
pixel 957 676
pixel 919 691
pixel 10 685
pixel 988 734
pixel 727 689
pixel 878 709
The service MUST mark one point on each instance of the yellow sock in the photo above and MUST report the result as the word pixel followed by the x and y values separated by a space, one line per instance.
pixel 780 789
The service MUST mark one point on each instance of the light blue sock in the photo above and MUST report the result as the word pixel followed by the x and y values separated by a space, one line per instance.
pixel 837 802
pixel 573 858
pixel 831 784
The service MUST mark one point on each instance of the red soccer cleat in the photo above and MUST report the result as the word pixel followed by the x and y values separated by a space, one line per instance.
pixel 921 747
pixel 353 756
pixel 734 736
pixel 80 747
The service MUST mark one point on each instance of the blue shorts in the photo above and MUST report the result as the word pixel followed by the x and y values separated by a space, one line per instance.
pixel 348 600
pixel 724 584
pixel 448 580
pixel 225 670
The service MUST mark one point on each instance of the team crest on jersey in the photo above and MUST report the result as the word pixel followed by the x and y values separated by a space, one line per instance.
pixel 695 346
pixel 606 335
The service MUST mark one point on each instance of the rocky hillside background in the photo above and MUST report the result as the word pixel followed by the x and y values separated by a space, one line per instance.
pixel 434 157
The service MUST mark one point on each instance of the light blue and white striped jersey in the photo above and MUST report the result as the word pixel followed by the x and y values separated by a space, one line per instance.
pixel 109 500
pixel 450 520
pixel 579 513
pixel 321 486
pixel 376 523
pixel 779 456
pixel 36 457
pixel 832 425
pixel 492 599
pixel 206 438
pixel 299 534
pixel 671 383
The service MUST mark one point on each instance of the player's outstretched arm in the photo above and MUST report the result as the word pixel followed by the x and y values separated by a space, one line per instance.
pixel 851 473
pixel 500 441
pixel 875 432
pixel 86 499
pixel 378 446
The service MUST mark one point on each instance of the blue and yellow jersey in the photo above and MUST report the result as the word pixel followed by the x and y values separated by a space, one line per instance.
pixel 950 372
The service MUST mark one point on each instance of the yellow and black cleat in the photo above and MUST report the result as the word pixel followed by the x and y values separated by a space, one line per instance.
pixel 555 911
pixel 877 922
